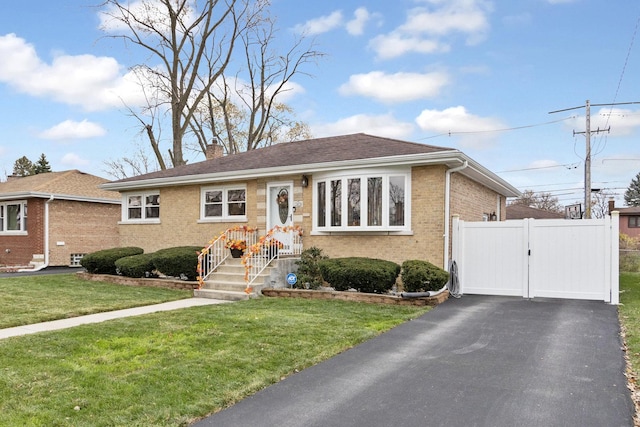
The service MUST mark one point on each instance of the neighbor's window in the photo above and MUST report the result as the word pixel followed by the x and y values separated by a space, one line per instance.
pixel 224 203
pixel 13 217
pixel 145 206
pixel 363 202
pixel 634 222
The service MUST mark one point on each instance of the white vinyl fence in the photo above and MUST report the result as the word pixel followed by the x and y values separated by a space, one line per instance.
pixel 550 258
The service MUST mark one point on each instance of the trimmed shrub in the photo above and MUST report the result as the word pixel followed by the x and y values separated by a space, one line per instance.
pixel 422 276
pixel 309 274
pixel 103 262
pixel 362 274
pixel 136 265
pixel 180 261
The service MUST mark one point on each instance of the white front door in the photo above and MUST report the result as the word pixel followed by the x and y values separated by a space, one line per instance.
pixel 280 211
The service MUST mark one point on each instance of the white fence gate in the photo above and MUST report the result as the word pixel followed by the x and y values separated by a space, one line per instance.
pixel 575 259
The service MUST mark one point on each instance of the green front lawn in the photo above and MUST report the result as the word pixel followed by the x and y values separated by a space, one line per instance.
pixel 630 316
pixel 34 299
pixel 172 368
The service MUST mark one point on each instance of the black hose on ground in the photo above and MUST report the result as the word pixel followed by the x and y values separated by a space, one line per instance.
pixel 453 285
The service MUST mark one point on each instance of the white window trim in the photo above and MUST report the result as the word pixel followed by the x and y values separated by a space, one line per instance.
pixel 125 208
pixel 363 228
pixel 22 231
pixel 224 218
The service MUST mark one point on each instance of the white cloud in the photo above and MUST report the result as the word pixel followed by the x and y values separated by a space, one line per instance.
pixel 395 44
pixel 320 25
pixel 381 125
pixel 473 131
pixel 427 26
pixel 398 87
pixel 70 129
pixel 361 16
pixel 73 160
pixel 94 83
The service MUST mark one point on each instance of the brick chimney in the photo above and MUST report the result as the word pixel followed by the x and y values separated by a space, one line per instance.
pixel 612 205
pixel 213 151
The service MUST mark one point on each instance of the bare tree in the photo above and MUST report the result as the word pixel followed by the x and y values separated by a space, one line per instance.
pixel 242 113
pixel 544 201
pixel 194 43
pixel 137 164
pixel 600 203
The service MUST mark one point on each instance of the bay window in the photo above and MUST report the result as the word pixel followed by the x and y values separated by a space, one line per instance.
pixel 369 201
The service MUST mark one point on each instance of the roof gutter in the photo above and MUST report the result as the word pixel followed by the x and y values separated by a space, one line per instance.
pixel 447 209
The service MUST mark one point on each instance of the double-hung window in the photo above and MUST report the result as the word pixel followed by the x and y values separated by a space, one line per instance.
pixel 142 207
pixel 634 221
pixel 13 217
pixel 223 203
pixel 367 201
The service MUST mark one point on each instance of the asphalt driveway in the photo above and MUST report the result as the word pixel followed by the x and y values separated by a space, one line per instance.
pixel 475 361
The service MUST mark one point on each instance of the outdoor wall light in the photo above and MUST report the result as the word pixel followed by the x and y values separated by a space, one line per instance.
pixel 305 181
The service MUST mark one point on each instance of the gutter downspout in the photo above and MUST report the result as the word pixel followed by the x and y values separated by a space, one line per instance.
pixel 46 238
pixel 447 208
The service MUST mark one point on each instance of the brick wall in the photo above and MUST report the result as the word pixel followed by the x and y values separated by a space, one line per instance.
pixel 80 228
pixel 19 250
pixel 471 200
pixel 180 211
pixel 179 216
pixel 624 227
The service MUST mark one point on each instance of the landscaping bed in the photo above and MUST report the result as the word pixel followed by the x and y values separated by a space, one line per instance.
pixel 131 281
pixel 355 296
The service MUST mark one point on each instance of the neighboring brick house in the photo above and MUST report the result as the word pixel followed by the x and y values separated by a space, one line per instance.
pixel 353 195
pixel 52 219
pixel 630 221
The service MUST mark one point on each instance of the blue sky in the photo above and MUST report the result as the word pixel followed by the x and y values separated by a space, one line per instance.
pixel 477 75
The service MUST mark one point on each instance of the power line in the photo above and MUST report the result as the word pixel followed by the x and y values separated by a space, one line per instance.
pixel 451 133
pixel 568 166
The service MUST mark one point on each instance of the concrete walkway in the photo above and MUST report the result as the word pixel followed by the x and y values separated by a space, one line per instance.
pixel 101 317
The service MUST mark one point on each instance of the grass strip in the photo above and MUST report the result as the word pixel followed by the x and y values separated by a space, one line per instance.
pixel 33 299
pixel 171 368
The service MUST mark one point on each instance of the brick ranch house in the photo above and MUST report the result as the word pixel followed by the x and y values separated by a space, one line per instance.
pixel 352 195
pixel 55 218
pixel 630 221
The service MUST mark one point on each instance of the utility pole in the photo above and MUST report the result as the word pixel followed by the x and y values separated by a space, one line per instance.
pixel 587 161
pixel 587 158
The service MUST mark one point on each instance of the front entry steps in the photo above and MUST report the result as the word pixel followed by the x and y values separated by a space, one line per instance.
pixel 227 283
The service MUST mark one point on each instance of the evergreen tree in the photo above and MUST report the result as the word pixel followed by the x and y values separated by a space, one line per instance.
pixel 42 165
pixel 632 195
pixel 23 167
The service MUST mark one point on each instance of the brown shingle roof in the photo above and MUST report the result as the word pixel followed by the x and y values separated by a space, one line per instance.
pixel 522 212
pixel 312 151
pixel 632 210
pixel 71 184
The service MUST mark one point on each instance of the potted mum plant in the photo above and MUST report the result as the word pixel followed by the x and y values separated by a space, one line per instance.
pixel 237 247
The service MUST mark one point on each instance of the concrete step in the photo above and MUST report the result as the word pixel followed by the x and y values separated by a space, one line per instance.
pixel 227 277
pixel 222 295
pixel 225 285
